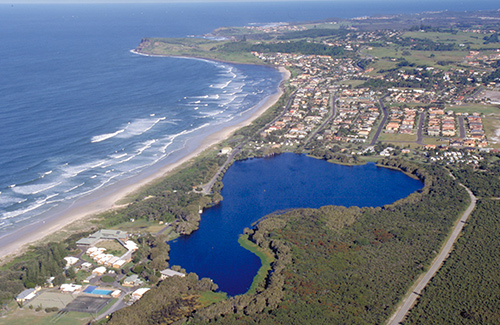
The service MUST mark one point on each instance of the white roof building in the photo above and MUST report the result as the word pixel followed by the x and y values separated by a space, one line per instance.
pixel 140 292
pixel 168 273
pixel 100 270
pixel 130 245
pixel 70 260
pixel 70 287
pixel 26 295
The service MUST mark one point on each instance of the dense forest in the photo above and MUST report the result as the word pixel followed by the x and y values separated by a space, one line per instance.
pixel 483 181
pixel 313 33
pixel 424 44
pixel 301 47
pixel 342 265
pixel 174 199
pixel 465 290
pixel 173 299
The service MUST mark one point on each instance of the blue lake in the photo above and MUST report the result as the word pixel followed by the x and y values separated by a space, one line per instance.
pixel 256 187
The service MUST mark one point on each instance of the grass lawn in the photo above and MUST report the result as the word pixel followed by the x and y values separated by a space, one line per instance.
pixel 387 137
pixel 112 247
pixel 475 108
pixel 139 225
pixel 434 141
pixel 26 316
pixel 491 126
pixel 472 39
pixel 266 258
pixel 82 275
pixel 51 299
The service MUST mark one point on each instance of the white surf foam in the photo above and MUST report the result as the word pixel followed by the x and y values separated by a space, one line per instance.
pixel 74 187
pixel 106 136
pixel 72 171
pixel 140 126
pixel 35 188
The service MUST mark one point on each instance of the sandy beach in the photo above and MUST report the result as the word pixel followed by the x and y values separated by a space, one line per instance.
pixel 18 241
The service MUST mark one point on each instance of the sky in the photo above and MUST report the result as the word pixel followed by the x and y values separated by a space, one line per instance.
pixel 13 2
pixel 130 1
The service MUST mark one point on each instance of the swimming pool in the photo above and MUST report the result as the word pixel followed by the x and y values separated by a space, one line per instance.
pixel 95 291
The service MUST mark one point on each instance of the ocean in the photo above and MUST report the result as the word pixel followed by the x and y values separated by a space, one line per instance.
pixel 80 112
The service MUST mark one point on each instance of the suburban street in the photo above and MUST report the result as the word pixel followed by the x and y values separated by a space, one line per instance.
pixel 400 314
pixel 382 124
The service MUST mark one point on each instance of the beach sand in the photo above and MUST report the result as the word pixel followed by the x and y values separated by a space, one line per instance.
pixel 18 241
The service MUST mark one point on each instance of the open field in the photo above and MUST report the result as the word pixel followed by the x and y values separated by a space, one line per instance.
pixel 139 225
pixel 51 299
pixel 197 48
pixel 492 130
pixel 26 316
pixel 434 141
pixel 474 40
pixel 475 108
pixel 112 247
pixel 387 137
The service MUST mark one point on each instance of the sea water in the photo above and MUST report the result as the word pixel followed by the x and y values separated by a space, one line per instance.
pixel 79 111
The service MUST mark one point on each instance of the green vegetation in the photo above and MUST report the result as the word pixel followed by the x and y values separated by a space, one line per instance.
pixel 230 51
pixel 465 290
pixel 172 300
pixel 172 199
pixel 333 264
pixel 194 47
pixel 266 258
pixel 313 33
pixel 151 257
pixel 471 108
pixel 112 247
pixel 346 265
pixel 34 268
pixel 107 279
pixel 484 182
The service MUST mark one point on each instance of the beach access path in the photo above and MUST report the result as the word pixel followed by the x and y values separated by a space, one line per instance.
pixel 417 289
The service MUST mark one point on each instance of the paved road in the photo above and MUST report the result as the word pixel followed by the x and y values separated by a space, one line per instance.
pixel 382 124
pixel 461 126
pixel 420 128
pixel 400 314
pixel 333 112
pixel 116 306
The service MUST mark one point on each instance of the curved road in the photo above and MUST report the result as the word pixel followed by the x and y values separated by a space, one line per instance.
pixel 400 314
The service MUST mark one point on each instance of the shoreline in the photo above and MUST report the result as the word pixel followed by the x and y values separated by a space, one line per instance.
pixel 134 51
pixel 18 241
